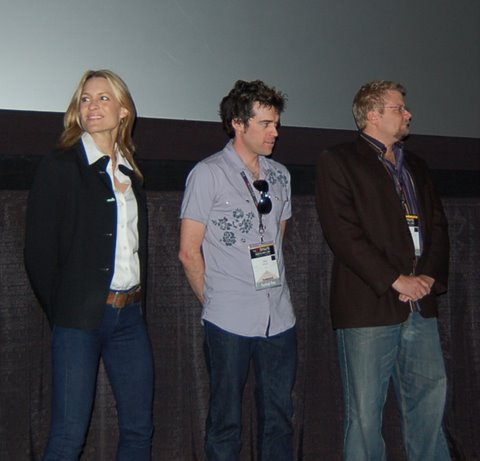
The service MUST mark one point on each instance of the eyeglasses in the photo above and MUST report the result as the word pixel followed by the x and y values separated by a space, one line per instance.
pixel 264 205
pixel 398 108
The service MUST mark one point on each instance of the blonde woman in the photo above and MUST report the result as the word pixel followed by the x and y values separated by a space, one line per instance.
pixel 85 254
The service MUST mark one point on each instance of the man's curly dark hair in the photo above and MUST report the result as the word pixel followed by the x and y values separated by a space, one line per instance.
pixel 239 102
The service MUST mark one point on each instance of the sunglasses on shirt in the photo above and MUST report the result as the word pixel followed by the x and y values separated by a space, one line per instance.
pixel 264 205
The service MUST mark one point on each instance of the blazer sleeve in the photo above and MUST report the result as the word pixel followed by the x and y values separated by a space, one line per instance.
pixel 341 224
pixel 43 223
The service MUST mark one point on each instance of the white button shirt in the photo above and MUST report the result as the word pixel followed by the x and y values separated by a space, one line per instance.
pixel 127 266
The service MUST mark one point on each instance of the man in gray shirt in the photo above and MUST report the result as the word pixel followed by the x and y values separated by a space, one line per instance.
pixel 234 213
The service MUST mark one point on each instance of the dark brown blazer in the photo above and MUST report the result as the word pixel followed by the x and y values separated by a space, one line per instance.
pixel 364 223
pixel 70 236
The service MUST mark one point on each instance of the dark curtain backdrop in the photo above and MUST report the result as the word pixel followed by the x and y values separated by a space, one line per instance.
pixel 181 380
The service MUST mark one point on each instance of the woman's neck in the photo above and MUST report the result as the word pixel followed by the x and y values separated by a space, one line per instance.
pixel 106 143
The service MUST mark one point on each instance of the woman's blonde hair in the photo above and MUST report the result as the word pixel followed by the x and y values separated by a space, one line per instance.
pixel 73 129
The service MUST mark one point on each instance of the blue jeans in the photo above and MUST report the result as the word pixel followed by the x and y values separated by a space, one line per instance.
pixel 122 341
pixel 228 360
pixel 411 355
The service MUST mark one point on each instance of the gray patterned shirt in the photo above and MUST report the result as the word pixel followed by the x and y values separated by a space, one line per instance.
pixel 217 196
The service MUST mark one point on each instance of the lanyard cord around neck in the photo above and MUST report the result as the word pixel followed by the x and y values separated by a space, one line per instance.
pixel 261 227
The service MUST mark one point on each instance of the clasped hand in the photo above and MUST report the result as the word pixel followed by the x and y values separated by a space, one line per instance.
pixel 413 287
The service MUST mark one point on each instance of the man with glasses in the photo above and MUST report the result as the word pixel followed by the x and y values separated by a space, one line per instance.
pixel 234 212
pixel 386 226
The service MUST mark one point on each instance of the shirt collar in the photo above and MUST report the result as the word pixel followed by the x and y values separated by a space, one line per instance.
pixel 382 149
pixel 237 160
pixel 94 153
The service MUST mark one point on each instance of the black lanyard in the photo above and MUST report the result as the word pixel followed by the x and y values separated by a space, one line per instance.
pixel 261 227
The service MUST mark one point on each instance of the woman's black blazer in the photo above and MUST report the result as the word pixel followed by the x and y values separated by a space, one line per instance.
pixel 71 235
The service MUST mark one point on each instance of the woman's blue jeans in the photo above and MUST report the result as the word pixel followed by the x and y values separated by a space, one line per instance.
pixel 122 342
pixel 411 355
pixel 228 359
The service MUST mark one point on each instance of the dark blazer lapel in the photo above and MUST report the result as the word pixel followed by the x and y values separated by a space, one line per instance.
pixel 100 168
pixel 137 187
pixel 383 178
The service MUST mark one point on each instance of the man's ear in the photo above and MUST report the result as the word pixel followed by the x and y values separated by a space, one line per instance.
pixel 372 116
pixel 237 124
